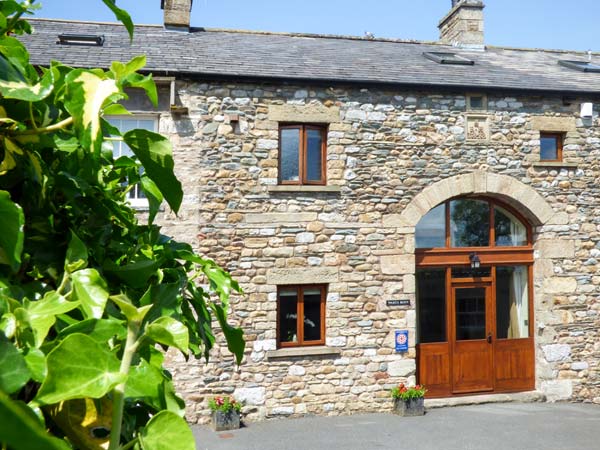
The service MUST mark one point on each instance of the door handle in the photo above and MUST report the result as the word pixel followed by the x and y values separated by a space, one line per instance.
pixel 489 338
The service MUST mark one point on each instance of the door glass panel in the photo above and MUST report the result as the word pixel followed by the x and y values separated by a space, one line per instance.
pixel 288 313
pixel 467 272
pixel 290 154
pixel 431 301
pixel 470 313
pixel 312 314
pixel 431 229
pixel 509 230
pixel 469 223
pixel 314 146
pixel 512 302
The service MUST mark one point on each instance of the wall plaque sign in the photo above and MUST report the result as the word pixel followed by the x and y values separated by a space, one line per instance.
pixel 404 302
pixel 401 341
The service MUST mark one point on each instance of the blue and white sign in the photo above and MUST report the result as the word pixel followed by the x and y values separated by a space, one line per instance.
pixel 401 341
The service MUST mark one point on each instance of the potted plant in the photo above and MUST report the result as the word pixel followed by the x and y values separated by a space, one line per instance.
pixel 225 413
pixel 409 401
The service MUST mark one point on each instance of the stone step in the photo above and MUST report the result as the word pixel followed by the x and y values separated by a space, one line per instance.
pixel 523 397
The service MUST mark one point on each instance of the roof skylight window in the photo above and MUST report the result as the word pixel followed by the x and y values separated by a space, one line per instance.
pixel 81 39
pixel 448 58
pixel 583 66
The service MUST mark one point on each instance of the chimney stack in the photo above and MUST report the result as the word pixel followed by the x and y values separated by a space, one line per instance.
pixel 463 25
pixel 177 14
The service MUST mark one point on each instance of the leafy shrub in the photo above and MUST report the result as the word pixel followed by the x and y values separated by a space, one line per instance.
pixel 87 293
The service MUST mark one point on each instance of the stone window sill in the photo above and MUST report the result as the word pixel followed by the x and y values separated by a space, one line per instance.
pixel 304 188
pixel 554 164
pixel 295 352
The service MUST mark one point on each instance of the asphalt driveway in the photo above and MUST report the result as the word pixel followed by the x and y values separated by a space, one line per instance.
pixel 506 426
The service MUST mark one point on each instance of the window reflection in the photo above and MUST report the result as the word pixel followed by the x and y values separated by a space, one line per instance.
pixel 512 302
pixel 431 301
pixel 509 230
pixel 431 230
pixel 469 223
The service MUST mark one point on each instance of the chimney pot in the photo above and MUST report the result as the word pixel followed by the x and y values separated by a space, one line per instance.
pixel 463 25
pixel 177 14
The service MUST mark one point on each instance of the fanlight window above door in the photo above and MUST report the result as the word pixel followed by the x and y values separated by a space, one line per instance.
pixel 469 222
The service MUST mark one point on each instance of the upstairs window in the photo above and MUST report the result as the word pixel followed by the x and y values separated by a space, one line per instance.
pixel 302 154
pixel 301 315
pixel 135 196
pixel 551 147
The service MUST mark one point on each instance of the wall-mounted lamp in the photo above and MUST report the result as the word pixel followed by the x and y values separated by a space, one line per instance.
pixel 475 261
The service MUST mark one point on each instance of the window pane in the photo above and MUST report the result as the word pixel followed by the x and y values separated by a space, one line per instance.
pixel 509 230
pixel 314 161
pixel 312 315
pixel 431 304
pixel 431 230
pixel 476 102
pixel 469 223
pixel 549 147
pixel 470 313
pixel 288 315
pixel 512 302
pixel 290 154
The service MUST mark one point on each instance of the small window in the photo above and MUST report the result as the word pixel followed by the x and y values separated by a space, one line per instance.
pixel 120 148
pixel 583 66
pixel 476 102
pixel 302 154
pixel 307 302
pixel 81 39
pixel 448 58
pixel 551 147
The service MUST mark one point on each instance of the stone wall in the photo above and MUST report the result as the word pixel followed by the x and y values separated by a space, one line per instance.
pixel 357 233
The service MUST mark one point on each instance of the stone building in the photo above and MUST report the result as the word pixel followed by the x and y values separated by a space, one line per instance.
pixel 377 187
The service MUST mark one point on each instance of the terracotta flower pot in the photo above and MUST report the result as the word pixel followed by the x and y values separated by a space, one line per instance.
pixel 223 421
pixel 410 407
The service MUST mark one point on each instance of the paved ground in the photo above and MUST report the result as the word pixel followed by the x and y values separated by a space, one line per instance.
pixel 508 426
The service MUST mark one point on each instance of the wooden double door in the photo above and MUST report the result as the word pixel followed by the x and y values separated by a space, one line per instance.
pixel 480 354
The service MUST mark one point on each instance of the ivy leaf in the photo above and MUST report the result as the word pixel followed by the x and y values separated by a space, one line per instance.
pixel 36 363
pixel 91 290
pixel 136 274
pixel 100 330
pixel 171 332
pixel 143 384
pixel 77 254
pixel 155 154
pixel 167 431
pixel 21 90
pixel 220 281
pixel 122 16
pixel 20 428
pixel 154 196
pixel 14 373
pixel 12 221
pixel 79 367
pixel 41 314
pixel 129 310
pixel 86 94
pixel 234 336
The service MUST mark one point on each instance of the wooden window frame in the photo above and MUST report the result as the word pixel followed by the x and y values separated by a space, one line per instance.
pixel 300 313
pixel 303 154
pixel 559 145
pixel 489 254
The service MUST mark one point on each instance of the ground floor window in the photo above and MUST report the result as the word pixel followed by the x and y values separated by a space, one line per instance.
pixel 301 315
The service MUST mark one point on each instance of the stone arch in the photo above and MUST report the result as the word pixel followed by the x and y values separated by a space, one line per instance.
pixel 511 191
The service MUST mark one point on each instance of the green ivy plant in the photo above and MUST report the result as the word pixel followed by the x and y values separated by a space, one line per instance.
pixel 87 293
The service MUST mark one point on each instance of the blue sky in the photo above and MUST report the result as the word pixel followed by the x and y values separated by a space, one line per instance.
pixel 558 24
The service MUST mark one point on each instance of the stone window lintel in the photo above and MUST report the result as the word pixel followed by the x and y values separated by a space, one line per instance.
pixel 301 352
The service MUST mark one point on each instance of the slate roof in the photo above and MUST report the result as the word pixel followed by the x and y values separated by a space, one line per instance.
pixel 255 55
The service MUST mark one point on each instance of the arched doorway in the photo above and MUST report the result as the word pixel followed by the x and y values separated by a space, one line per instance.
pixel 474 270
